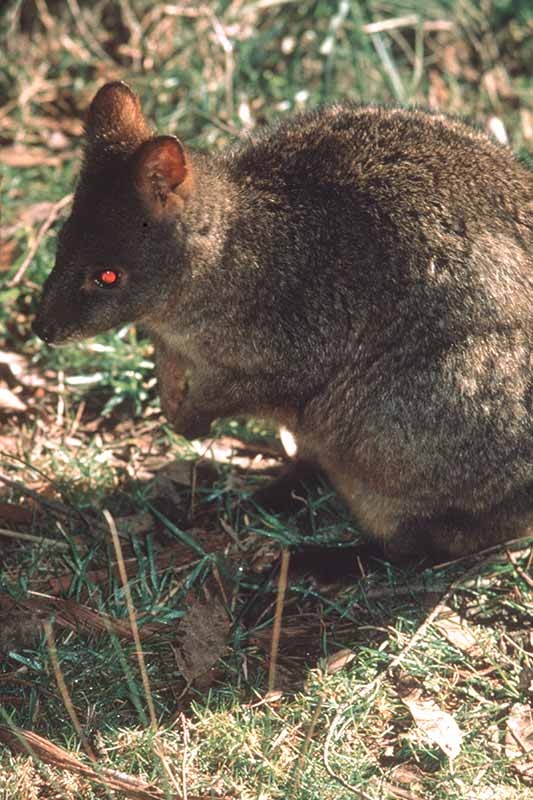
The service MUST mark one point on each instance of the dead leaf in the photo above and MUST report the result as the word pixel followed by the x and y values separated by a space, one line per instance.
pixel 496 127
pixel 457 632
pixel 450 60
pixel 15 362
pixel 337 661
pixel 22 157
pixel 498 84
pixel 229 450
pixel 9 252
pixel 177 472
pixel 408 774
pixel 56 140
pixel 14 514
pixel 153 465
pixel 437 725
pixel 526 119
pixel 8 446
pixel 9 402
pixel 14 368
pixel 19 628
pixel 525 679
pixel 136 524
pixel 70 125
pixel 203 635
pixel 35 213
pixel 519 740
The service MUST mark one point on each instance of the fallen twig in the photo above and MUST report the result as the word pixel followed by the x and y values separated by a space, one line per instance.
pixel 65 694
pixel 29 537
pixel 29 743
pixel 49 221
pixel 518 569
pixel 408 21
pixel 276 631
pixel 70 614
pixel 132 617
pixel 53 505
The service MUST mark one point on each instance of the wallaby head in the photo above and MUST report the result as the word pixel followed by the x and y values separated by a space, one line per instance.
pixel 119 250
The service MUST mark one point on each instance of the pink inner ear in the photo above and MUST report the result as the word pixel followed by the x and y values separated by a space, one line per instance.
pixel 165 160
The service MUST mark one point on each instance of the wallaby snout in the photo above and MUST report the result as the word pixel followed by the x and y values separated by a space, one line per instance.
pixel 43 330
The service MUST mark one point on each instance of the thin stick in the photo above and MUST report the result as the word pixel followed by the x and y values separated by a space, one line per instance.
pixel 25 746
pixel 388 65
pixel 44 15
pixel 136 34
pixel 29 537
pixel 53 505
pixel 514 544
pixel 227 47
pixel 276 630
pixel 391 24
pixel 49 221
pixel 298 770
pixel 325 756
pixel 185 756
pixel 86 34
pixel 137 639
pixel 46 753
pixel 62 686
pixel 518 569
pixel 77 419
pixel 166 766
pixel 60 399
pixel 409 21
pixel 132 616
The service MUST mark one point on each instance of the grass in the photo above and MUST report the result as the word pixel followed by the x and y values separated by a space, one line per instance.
pixel 201 559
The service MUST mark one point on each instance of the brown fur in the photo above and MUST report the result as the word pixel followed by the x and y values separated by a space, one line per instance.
pixel 361 275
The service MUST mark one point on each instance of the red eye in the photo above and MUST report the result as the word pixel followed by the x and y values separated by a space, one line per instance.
pixel 108 277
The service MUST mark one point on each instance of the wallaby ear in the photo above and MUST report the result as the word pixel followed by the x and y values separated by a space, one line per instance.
pixel 162 175
pixel 115 122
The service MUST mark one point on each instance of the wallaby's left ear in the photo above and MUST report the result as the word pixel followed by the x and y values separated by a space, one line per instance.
pixel 115 122
pixel 162 175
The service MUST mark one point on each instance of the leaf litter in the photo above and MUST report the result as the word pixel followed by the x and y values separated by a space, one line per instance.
pixel 457 631
pixel 203 637
pixel 437 726
pixel 519 740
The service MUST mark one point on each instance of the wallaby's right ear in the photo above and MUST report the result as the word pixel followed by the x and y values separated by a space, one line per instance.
pixel 162 175
pixel 115 122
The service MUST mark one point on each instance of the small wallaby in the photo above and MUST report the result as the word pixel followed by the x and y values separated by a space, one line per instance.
pixel 360 275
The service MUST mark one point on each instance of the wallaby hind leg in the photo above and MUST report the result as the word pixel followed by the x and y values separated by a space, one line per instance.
pixel 454 534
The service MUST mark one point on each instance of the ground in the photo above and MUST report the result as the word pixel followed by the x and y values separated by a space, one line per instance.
pixel 346 677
